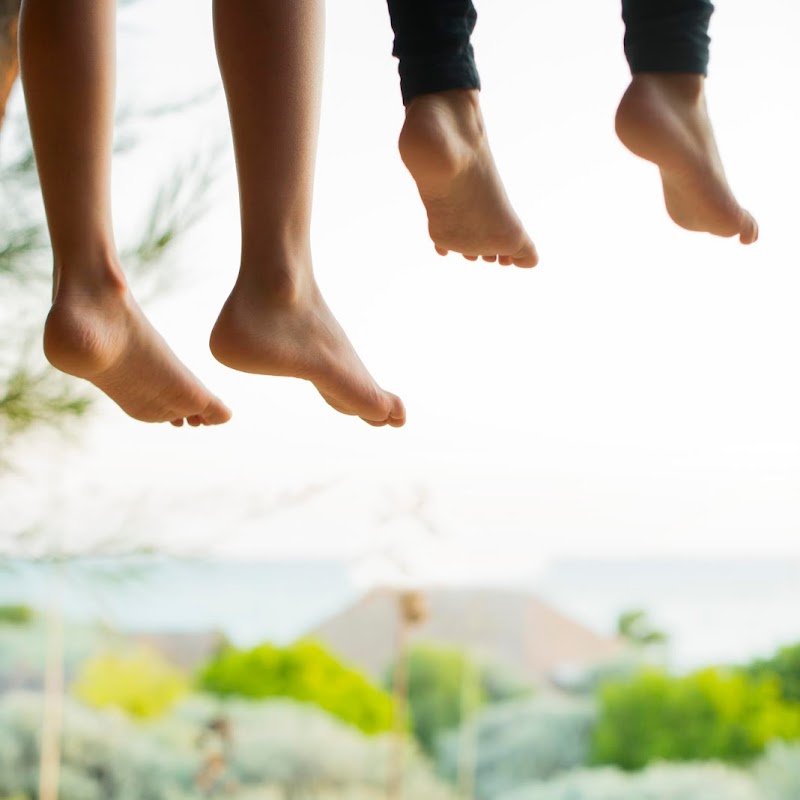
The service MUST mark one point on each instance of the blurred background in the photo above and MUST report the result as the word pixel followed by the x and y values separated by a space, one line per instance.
pixel 574 575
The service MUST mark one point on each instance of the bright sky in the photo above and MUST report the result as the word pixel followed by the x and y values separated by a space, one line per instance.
pixel 636 394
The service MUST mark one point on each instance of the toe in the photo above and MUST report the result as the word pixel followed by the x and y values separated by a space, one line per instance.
pixel 216 413
pixel 490 259
pixel 441 251
pixel 178 423
pixel 526 257
pixel 470 258
pixel 506 261
pixel 195 420
pixel 748 230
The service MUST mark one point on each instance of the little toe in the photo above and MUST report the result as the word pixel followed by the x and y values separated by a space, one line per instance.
pixel 441 251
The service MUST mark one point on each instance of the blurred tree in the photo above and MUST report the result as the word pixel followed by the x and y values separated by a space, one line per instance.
pixel 141 683
pixel 636 628
pixel 708 715
pixel 441 694
pixel 784 666
pixel 304 671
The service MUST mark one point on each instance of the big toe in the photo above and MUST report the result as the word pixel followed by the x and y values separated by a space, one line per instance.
pixel 526 256
pixel 392 412
pixel 215 413
pixel 748 232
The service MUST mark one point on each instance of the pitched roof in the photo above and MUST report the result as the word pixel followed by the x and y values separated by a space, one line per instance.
pixel 517 629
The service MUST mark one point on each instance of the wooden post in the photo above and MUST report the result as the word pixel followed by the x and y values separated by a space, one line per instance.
pixel 52 721
pixel 411 612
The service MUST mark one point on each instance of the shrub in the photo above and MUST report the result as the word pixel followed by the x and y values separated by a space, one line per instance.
pixel 520 742
pixel 709 715
pixel 16 615
pixel 305 671
pixel 783 666
pixel 660 782
pixel 445 686
pixel 275 745
pixel 140 683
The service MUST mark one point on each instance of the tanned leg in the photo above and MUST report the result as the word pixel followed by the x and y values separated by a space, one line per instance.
pixel 94 330
pixel 275 321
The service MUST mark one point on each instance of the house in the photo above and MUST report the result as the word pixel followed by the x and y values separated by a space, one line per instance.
pixel 515 629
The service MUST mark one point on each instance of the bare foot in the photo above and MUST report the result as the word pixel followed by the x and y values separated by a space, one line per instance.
pixel 663 118
pixel 104 338
pixel 444 146
pixel 297 336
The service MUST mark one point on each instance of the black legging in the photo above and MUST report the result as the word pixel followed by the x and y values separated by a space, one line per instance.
pixel 432 40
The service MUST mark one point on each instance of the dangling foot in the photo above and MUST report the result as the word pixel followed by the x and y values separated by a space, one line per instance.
pixel 103 337
pixel 663 118
pixel 444 146
pixel 294 334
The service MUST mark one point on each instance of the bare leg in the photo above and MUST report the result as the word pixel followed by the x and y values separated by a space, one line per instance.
pixel 663 118
pixel 275 321
pixel 444 146
pixel 94 330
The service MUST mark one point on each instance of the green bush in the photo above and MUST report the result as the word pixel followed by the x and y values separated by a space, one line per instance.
pixel 141 683
pixel 785 667
pixel 708 715
pixel 305 671
pixel 16 615
pixel 276 748
pixel 445 686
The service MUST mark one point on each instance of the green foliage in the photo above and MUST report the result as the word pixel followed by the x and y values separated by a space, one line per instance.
pixel 16 615
pixel 635 627
pixel 784 666
pixel 141 683
pixel 708 715
pixel 445 687
pixel 304 671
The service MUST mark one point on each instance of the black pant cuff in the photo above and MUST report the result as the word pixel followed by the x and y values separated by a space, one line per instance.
pixel 667 58
pixel 427 75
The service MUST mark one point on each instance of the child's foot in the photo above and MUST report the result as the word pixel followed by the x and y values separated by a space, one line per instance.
pixel 295 335
pixel 104 338
pixel 663 118
pixel 443 144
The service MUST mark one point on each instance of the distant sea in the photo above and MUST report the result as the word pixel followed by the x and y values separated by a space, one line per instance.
pixel 715 611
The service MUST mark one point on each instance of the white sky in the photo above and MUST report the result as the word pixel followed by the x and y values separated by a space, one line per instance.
pixel 636 394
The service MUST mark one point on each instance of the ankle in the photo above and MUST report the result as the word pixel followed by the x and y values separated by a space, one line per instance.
pixel 458 109
pixel 88 276
pixel 685 87
pixel 282 287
